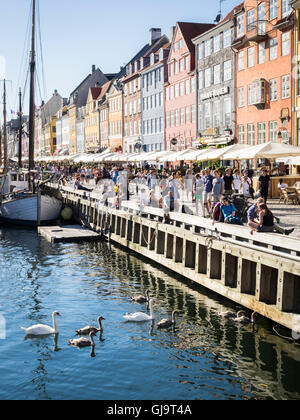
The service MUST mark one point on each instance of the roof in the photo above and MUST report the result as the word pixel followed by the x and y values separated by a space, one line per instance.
pixel 95 91
pixel 104 90
pixel 230 15
pixel 82 91
pixel 191 30
pixel 144 52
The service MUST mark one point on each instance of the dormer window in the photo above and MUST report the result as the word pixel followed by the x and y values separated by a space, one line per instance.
pixel 286 8
pixel 240 30
pixel 152 60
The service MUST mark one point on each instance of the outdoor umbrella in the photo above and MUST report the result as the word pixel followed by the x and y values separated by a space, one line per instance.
pixel 269 151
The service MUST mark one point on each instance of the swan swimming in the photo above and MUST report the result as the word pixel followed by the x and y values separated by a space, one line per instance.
pixel 141 316
pixel 88 330
pixel 83 342
pixel 41 329
pixel 167 323
pixel 141 299
pixel 243 319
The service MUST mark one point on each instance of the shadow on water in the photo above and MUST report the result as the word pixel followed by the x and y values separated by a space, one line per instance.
pixel 203 357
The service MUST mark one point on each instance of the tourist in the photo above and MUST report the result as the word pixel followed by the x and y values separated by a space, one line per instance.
pixel 199 189
pixel 168 205
pixel 265 222
pixel 245 187
pixel 208 187
pixel 264 181
pixel 282 184
pixel 229 212
pixel 218 187
pixel 228 182
pixel 237 180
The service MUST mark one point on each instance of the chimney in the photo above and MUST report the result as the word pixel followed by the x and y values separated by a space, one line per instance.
pixel 172 33
pixel 93 68
pixel 155 34
pixel 55 92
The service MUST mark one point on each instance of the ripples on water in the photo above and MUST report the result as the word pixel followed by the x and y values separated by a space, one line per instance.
pixel 205 358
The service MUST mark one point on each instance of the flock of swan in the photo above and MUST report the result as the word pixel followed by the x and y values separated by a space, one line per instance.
pixel 91 331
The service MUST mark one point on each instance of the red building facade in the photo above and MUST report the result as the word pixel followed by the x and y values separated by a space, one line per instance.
pixel 263 44
pixel 180 91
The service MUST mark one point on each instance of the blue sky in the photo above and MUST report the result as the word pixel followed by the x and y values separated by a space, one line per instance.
pixel 79 33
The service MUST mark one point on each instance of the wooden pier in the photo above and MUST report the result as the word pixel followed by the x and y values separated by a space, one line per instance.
pixel 260 272
pixel 56 234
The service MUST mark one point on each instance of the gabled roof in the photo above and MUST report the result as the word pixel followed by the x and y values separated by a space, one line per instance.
pixel 105 88
pixel 82 91
pixel 231 13
pixel 191 30
pixel 144 52
pixel 95 92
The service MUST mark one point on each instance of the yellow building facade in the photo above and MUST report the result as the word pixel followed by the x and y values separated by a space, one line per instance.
pixel 72 128
pixel 115 118
pixel 92 121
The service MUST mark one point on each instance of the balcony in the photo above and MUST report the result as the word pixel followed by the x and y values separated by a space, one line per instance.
pixel 258 31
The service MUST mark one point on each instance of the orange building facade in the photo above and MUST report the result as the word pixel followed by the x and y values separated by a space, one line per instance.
pixel 264 36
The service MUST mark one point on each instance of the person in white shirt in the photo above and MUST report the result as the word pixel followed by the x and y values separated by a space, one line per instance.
pixel 245 187
pixel 237 180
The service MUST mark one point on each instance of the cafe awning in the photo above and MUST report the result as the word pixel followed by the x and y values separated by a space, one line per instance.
pixel 269 151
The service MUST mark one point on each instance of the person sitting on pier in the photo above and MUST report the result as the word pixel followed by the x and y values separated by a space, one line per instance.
pixel 266 223
pixel 229 212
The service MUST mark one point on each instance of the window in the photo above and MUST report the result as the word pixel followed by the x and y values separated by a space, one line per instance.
pixel 200 82
pixel 257 93
pixel 187 115
pixel 193 84
pixel 261 52
pixel 286 7
pixel 181 65
pixel 207 115
pixel 240 26
pixel 285 87
pixel 187 63
pixel 241 97
pixel 227 111
pixel 251 134
pixel 182 115
pixel 250 20
pixel 177 117
pixel 227 70
pixel 171 68
pixel 176 67
pixel 171 92
pixel 172 119
pixel 241 134
pixel 273 9
pixel 285 43
pixel 273 90
pixel 207 77
pixel 241 61
pixel 200 116
pixel 273 131
pixel 261 128
pixel 227 38
pixel 167 94
pixel 180 44
pixel 217 43
pixel 250 53
pixel 261 12
pixel 217 113
pixel 187 84
pixel 182 90
pixel 273 49
pixel 176 90
pixel 207 48
pixel 200 51
pixel 193 113
pixel 217 74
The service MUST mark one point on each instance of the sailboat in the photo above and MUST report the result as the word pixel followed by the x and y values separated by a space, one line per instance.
pixel 30 207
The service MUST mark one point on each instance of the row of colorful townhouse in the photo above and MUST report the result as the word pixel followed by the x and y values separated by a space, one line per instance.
pixel 207 84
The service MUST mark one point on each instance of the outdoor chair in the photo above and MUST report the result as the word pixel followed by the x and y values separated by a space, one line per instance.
pixel 282 198
pixel 298 195
pixel 289 197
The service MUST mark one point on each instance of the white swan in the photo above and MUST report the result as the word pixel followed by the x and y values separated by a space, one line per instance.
pixel 41 329
pixel 141 316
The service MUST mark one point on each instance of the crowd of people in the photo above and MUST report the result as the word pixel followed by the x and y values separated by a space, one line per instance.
pixel 203 192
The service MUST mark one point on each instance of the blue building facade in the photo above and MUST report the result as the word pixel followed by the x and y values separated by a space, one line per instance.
pixel 154 78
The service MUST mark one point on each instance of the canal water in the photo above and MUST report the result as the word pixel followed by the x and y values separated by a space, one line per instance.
pixel 204 358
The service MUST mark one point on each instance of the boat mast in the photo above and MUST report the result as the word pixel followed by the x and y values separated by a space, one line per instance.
pixel 20 130
pixel 32 93
pixel 4 128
